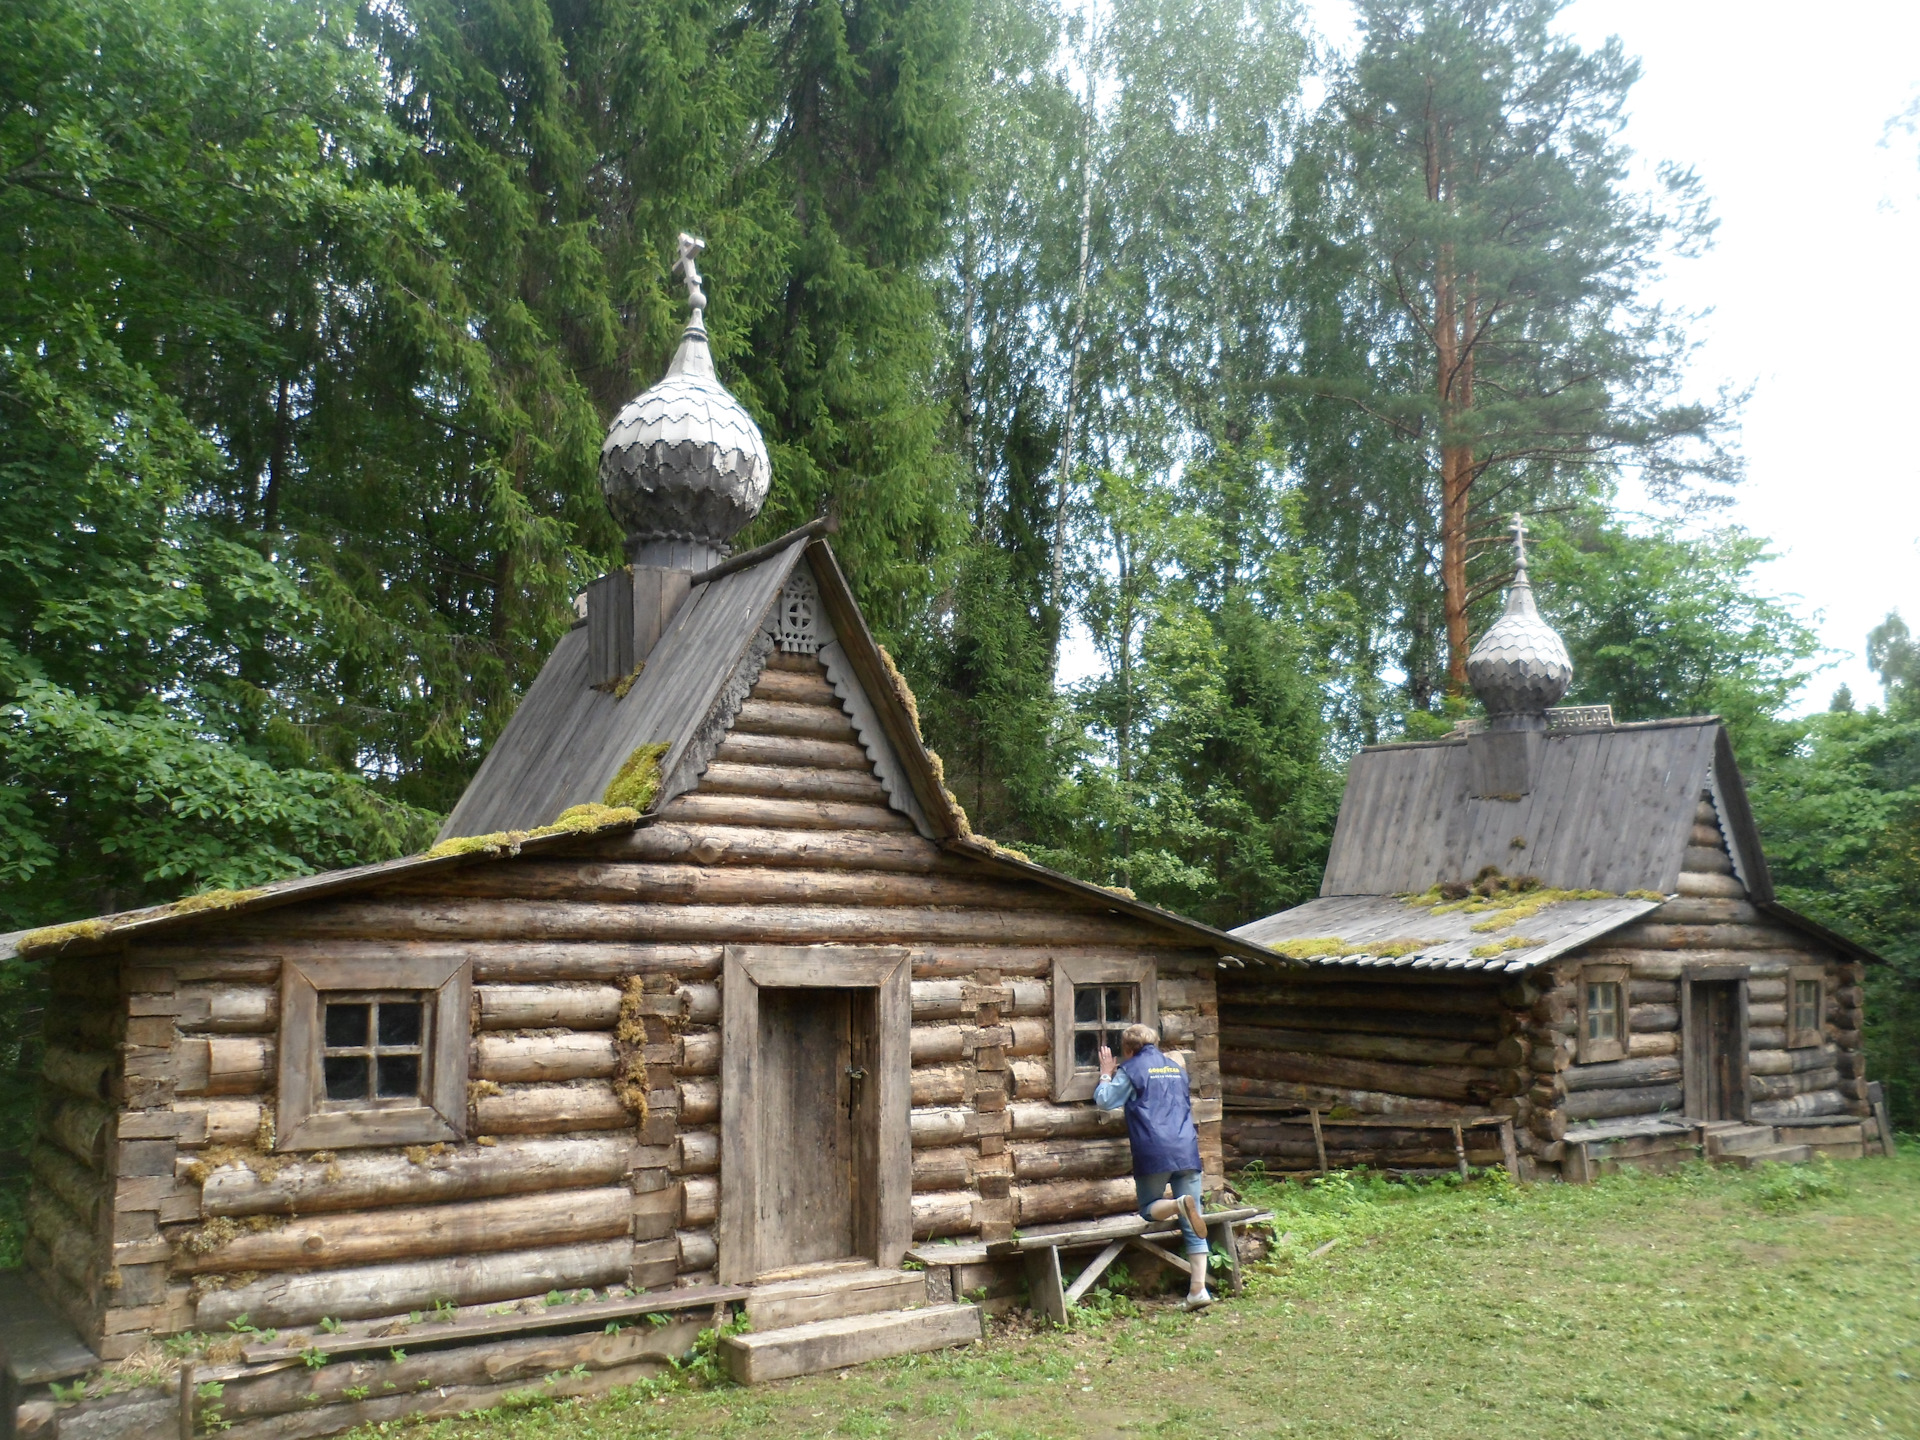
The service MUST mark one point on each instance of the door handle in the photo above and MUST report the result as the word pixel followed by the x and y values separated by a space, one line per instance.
pixel 854 1072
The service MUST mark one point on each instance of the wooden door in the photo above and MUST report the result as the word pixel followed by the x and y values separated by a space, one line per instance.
pixel 811 1098
pixel 1716 1049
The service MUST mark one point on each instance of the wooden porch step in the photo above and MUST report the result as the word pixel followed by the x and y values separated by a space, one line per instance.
pixel 1836 1142
pixel 1736 1139
pixel 1770 1155
pixel 851 1340
pixel 834 1296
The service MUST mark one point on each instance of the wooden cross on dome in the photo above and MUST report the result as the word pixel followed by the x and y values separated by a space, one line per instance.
pixel 685 269
pixel 1519 528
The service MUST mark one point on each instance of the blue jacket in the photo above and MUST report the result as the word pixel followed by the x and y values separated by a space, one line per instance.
pixel 1159 1115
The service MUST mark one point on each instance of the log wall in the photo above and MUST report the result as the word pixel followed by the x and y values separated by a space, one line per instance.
pixel 593 1155
pixel 1411 1043
pixel 1711 922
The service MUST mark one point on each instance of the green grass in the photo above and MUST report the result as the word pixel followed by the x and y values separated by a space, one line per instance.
pixel 1708 1303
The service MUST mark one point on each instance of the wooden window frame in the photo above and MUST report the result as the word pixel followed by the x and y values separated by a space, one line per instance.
pixel 1592 1051
pixel 1806 1037
pixel 1069 1082
pixel 306 1120
pixel 745 971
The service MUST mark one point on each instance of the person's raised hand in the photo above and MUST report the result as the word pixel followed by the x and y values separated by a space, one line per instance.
pixel 1107 1065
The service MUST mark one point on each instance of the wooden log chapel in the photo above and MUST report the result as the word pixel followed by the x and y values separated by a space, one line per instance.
pixel 1554 942
pixel 708 1002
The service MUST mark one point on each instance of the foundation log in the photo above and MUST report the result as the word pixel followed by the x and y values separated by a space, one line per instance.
pixel 578 1056
pixel 1609 1104
pixel 371 1238
pixel 1817 1102
pixel 302 1299
pixel 368 1179
pixel 1785 1087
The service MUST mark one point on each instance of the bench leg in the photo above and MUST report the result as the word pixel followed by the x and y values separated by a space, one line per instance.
pixel 1221 1234
pixel 1047 1293
pixel 1097 1267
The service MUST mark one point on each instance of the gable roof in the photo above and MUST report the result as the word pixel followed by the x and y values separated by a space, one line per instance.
pixel 1609 814
pixel 566 741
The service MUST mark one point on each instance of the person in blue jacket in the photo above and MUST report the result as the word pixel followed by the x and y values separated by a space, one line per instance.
pixel 1166 1147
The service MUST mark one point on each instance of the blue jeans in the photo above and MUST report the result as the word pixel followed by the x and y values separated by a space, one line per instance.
pixel 1151 1188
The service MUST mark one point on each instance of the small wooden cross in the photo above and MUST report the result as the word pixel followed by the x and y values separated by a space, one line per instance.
pixel 1519 528
pixel 685 269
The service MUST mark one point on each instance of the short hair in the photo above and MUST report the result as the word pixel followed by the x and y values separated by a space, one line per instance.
pixel 1138 1037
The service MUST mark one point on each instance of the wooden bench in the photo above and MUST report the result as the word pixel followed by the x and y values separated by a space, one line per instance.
pixel 1039 1248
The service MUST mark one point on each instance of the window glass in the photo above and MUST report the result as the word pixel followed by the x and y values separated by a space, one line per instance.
pixel 1603 1010
pixel 1100 1014
pixel 1806 1004
pixel 374 1047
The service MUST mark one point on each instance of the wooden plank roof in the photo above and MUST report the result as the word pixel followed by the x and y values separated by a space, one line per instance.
pixel 1610 809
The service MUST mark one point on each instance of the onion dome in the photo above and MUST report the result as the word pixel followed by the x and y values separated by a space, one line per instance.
pixel 1521 667
pixel 683 466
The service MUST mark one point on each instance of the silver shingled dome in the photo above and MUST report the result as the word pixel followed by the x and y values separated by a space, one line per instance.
pixel 1521 665
pixel 683 466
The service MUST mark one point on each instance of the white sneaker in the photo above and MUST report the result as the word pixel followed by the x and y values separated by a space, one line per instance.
pixel 1197 1302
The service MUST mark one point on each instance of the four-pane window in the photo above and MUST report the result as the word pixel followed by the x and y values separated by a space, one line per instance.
pixel 1603 1011
pixel 1806 1007
pixel 1604 1020
pixel 375 1048
pixel 1100 1014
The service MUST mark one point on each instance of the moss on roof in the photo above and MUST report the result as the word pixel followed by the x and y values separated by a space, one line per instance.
pixel 576 820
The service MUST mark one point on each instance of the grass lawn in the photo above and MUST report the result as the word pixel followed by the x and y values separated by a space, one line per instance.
pixel 1707 1303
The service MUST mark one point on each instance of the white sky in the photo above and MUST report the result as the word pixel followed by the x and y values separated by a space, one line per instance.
pixel 1813 283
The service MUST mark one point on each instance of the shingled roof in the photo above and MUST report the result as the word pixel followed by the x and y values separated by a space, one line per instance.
pixel 1606 823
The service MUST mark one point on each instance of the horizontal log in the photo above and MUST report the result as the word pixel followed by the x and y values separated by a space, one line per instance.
pixel 1766 1037
pixel 1789 1062
pixel 1291 1156
pixel 520 1222
pixel 698 1249
pixel 629 882
pixel 1645 935
pixel 1702 910
pixel 1708 885
pixel 955 999
pixel 948 1169
pixel 934 1043
pixel 1643 1018
pixel 1046 1201
pixel 942 1084
pixel 785 717
pixel 555 920
pixel 959 960
pixel 575 1006
pixel 792 782
pixel 699 1201
pixel 744 749
pixel 224 1065
pixel 1707 834
pixel 1356 1047
pixel 227 1122
pixel 81 1189
pixel 229 1009
pixel 1800 1107
pixel 1623 1074
pixel 81 1128
pixel 1785 1087
pixel 699 1004
pixel 1654 1042
pixel 699 809
pixel 1028 1120
pixel 809 848
pixel 551 1109
pixel 575 1056
pixel 355 1294
pixel 947 1213
pixel 1071 1160
pixel 1707 859
pixel 1766 992
pixel 369 1179
pixel 932 1128
pixel 1437 1082
pixel 1325 1097
pixel 1033 1079
pixel 1250 987
pixel 699 1053
pixel 696 1152
pixel 803 687
pixel 1653 992
pixel 79 1072
pixel 1773 1013
pixel 1638 1100
pixel 699 1101
pixel 285 1391
pixel 512 960
pixel 78 1253
pixel 1479 1028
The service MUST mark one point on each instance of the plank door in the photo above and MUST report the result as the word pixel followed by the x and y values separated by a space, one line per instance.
pixel 1716 1050
pixel 814 1122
